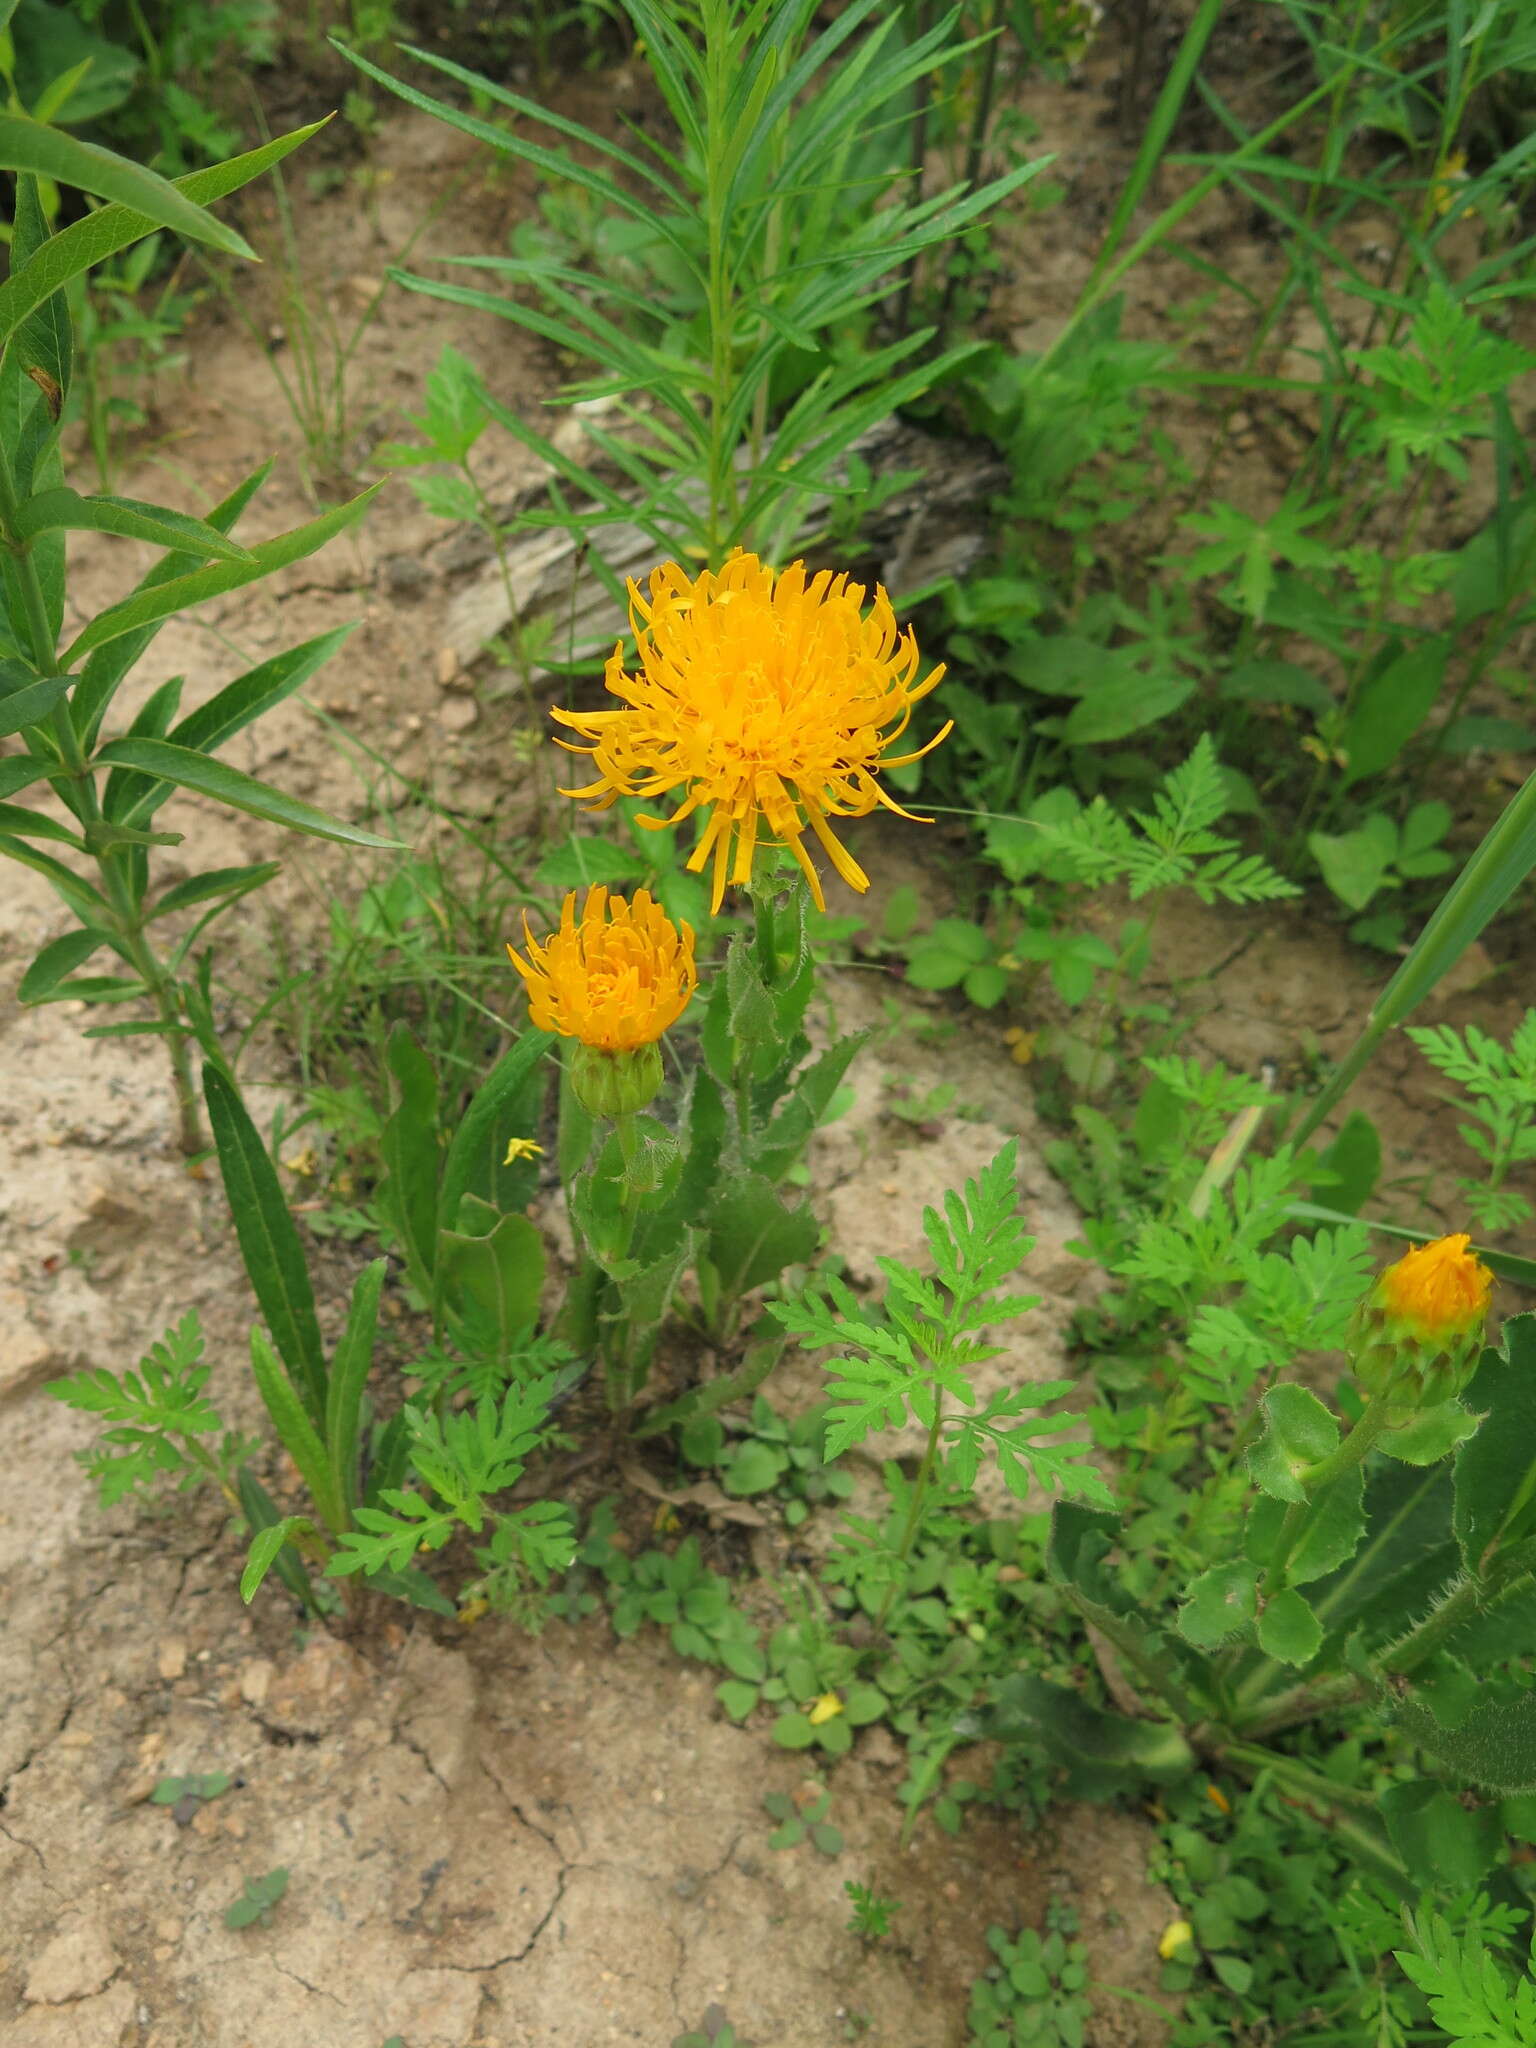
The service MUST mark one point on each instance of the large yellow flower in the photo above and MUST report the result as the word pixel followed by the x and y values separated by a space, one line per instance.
pixel 766 702
pixel 616 978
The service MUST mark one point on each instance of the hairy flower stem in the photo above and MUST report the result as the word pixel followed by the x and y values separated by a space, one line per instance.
pixel 920 1486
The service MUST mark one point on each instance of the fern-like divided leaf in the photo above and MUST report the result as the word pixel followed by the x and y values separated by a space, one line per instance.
pixel 1172 845
pixel 1471 1996
pixel 906 1357
pixel 147 1411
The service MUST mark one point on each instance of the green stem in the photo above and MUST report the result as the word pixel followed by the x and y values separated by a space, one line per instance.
pixel 910 1528
pixel 80 794
pixel 765 934
pixel 721 475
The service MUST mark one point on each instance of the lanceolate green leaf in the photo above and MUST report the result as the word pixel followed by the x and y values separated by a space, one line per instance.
pixel 148 606
pixel 44 347
pixel 14 819
pixel 26 145
pixel 262 1512
pixel 30 706
pixel 100 235
pixel 135 799
pixel 239 703
pixel 229 786
pixel 263 1553
pixel 1107 1748
pixel 269 1242
pixel 105 669
pixel 409 1146
pixel 56 962
pixel 86 901
pixel 1498 867
pixel 129 517
pixel 209 887
pixel 300 1438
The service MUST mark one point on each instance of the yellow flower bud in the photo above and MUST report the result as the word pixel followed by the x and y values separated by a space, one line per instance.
pixel 1418 1334
pixel 615 1084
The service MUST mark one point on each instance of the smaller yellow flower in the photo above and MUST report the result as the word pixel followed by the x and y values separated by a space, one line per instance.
pixel 522 1148
pixel 1218 1799
pixel 304 1163
pixel 1451 175
pixel 616 977
pixel 1439 1289
pixel 1417 1336
pixel 827 1708
pixel 1021 1045
pixel 1177 1936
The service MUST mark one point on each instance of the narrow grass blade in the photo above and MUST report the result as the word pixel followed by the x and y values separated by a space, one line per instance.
pixel 1498 867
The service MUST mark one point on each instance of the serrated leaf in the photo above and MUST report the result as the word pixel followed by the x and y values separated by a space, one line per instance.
pixel 1288 1629
pixel 1219 1604
pixel 1331 1536
pixel 753 1234
pixel 1298 1433
pixel 1446 1846
pixel 1494 1746
pixel 1431 1435
pixel 1495 1472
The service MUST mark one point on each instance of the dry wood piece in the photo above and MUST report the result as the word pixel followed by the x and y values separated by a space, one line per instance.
pixel 929 527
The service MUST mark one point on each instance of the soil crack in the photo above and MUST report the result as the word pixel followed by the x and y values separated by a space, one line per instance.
pixel 417 1750
pixel 24 1842
pixel 318 1990
pixel 517 1955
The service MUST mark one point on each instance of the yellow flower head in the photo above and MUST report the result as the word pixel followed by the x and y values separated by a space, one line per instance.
pixel 1439 1289
pixel 521 1148
pixel 765 701
pixel 1177 1936
pixel 616 978
pixel 1417 1336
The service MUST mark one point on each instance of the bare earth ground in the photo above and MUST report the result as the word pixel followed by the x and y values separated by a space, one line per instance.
pixel 493 1840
